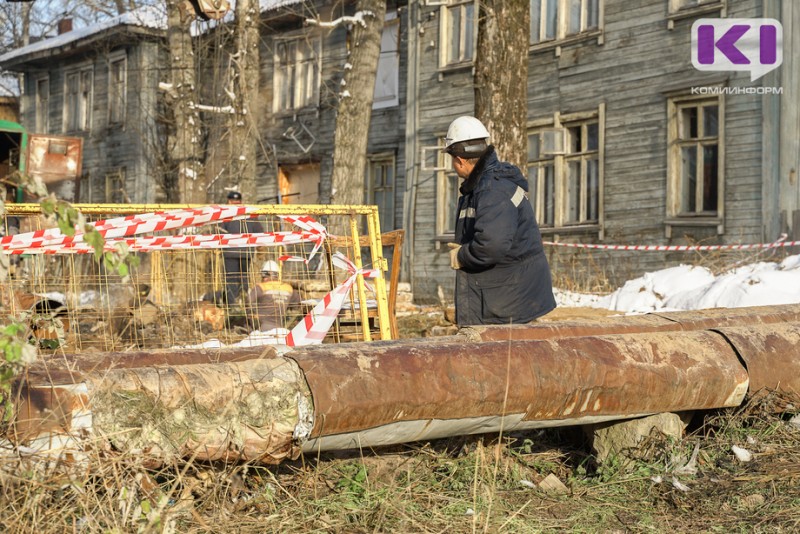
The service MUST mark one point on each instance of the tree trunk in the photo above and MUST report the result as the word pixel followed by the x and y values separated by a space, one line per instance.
pixel 355 104
pixel 501 76
pixel 184 151
pixel 245 121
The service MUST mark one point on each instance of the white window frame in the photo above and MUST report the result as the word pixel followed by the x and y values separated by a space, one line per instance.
pixel 42 104
pixel 117 90
pixel 562 30
pixel 387 161
pixel 559 220
pixel 676 214
pixel 306 50
pixel 467 39
pixel 77 116
pixel 387 94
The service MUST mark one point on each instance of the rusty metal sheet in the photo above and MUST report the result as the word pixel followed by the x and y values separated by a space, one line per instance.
pixel 771 354
pixel 652 322
pixel 57 160
pixel 363 386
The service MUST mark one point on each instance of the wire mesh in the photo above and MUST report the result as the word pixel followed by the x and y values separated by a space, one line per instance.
pixel 200 297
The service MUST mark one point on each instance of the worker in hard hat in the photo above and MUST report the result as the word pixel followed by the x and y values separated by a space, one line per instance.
pixel 237 260
pixel 502 274
pixel 270 299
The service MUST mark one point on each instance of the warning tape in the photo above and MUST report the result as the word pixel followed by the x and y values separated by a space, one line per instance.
pixel 180 242
pixel 313 328
pixel 128 226
pixel 119 230
pixel 781 242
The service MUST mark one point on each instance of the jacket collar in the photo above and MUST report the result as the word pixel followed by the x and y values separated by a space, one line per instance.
pixel 488 160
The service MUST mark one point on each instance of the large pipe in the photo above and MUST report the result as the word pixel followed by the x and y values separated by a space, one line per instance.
pixel 266 405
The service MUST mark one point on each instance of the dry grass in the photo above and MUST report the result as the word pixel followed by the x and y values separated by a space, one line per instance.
pixel 469 484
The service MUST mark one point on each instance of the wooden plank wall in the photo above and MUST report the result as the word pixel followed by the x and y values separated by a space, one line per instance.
pixel 639 65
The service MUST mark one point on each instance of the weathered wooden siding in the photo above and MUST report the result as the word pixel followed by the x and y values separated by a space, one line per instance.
pixel 132 145
pixel 640 64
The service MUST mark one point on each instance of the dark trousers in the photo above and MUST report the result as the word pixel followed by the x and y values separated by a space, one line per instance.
pixel 236 278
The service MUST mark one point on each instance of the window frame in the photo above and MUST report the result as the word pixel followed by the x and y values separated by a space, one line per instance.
pixel 117 102
pixel 387 218
pixel 676 10
pixel 312 44
pixel 389 59
pixel 445 32
pixel 563 35
pixel 77 115
pixel 675 215
pixel 42 106
pixel 560 163
pixel 446 195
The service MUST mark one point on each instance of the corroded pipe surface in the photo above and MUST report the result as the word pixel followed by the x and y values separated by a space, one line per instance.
pixel 630 324
pixel 379 395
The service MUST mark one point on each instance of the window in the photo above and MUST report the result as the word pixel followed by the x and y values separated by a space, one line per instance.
pixel 541 181
pixel 43 105
pixel 115 187
pixel 565 161
pixel 386 79
pixel 695 174
pixel 380 189
pixel 117 91
pixel 447 193
pixel 296 78
pixel 77 100
pixel 557 19
pixel 677 5
pixel 679 9
pixel 582 164
pixel 457 32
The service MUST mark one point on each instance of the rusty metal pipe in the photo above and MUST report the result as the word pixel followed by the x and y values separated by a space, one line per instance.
pixel 629 324
pixel 258 405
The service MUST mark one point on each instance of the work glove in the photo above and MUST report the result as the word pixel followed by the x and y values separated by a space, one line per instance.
pixel 454 248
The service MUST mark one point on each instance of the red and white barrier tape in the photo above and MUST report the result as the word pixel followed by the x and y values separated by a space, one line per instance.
pixel 119 230
pixel 313 328
pixel 781 242
pixel 128 226
pixel 181 242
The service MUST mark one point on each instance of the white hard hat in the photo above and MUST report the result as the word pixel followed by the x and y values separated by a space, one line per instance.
pixel 270 266
pixel 465 128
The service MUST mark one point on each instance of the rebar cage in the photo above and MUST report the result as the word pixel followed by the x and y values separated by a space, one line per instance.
pixel 181 297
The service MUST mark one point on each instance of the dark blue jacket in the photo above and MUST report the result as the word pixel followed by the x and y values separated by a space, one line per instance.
pixel 504 276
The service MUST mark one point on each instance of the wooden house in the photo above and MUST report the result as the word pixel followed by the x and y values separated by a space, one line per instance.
pixel 100 83
pixel 628 142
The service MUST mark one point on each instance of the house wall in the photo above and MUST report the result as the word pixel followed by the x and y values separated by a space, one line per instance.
pixel 387 125
pixel 637 67
pixel 131 146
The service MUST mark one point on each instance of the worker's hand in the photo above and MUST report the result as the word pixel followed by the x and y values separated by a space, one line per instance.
pixel 454 248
